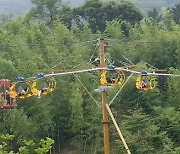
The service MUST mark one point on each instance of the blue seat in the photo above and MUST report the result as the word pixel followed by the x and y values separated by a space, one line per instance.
pixel 143 72
pixel 112 67
pixel 41 75
pixel 20 79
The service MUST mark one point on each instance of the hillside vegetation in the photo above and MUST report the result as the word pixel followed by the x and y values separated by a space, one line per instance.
pixel 51 36
pixel 20 7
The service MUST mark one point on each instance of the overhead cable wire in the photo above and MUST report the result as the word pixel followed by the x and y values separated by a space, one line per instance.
pixel 124 63
pixel 104 68
pixel 89 41
pixel 65 73
pixel 87 91
pixel 38 45
pixel 79 65
pixel 127 59
pixel 109 61
pixel 155 74
pixel 93 53
pixel 135 41
pixel 56 65
pixel 120 89
pixel 121 62
pixel 151 66
pixel 95 60
pixel 78 71
pixel 84 42
pixel 164 74
pixel 48 44
pixel 74 66
pixel 15 68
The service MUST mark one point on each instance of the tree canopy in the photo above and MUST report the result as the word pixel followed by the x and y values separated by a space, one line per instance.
pixel 149 119
pixel 96 13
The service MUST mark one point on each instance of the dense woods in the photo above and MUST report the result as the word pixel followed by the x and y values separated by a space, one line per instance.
pixel 52 34
pixel 20 7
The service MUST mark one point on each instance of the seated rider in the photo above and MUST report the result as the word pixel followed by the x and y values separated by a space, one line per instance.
pixel 145 82
pixel 21 91
pixel 108 80
pixel 112 79
pixel 7 97
pixel 44 89
pixel 3 101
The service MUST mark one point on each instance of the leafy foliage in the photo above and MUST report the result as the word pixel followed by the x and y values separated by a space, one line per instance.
pixel 97 13
pixel 176 11
pixel 149 119
pixel 29 146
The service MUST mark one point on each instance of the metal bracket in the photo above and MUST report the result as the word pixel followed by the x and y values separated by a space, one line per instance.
pixel 103 88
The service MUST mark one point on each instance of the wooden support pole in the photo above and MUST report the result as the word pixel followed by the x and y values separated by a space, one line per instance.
pixel 105 121
pixel 118 129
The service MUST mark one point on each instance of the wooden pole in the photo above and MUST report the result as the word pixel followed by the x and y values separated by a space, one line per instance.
pixel 105 121
pixel 118 129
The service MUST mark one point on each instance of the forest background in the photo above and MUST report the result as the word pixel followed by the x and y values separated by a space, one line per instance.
pixel 53 33
pixel 20 7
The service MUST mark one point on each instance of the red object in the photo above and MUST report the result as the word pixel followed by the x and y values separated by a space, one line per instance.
pixel 7 107
pixel 5 83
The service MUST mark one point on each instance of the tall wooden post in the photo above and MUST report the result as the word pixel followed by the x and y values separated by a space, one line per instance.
pixel 105 121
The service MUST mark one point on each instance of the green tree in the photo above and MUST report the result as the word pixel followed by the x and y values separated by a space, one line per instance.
pixel 176 13
pixel 167 17
pixel 155 14
pixel 173 90
pixel 45 10
pixel 96 13
pixel 7 69
pixel 92 13
pixel 76 121
pixel 168 121
pixel 65 15
pixel 27 146
pixel 17 123
pixel 139 128
pixel 74 118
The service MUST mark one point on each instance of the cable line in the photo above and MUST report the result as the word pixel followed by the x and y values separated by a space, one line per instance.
pixel 95 60
pixel 103 68
pixel 84 42
pixel 121 62
pixel 151 66
pixel 56 65
pixel 155 74
pixel 124 58
pixel 109 61
pixel 127 59
pixel 48 44
pixel 120 89
pixel 93 53
pixel 78 71
pixel 87 90
pixel 129 41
